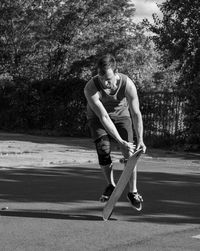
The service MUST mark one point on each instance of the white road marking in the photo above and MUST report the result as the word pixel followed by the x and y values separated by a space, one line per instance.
pixel 196 236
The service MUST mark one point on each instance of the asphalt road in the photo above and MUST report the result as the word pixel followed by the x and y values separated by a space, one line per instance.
pixel 52 199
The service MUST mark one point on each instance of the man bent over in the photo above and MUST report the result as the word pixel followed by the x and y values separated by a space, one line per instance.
pixel 112 107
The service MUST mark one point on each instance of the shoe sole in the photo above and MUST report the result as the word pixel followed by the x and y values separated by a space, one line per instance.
pixel 136 208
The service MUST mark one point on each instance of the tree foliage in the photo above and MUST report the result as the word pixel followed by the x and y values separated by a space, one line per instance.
pixel 52 106
pixel 48 47
pixel 42 39
pixel 178 37
pixel 178 34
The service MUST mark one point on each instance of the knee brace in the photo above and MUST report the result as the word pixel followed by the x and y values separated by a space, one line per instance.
pixel 103 150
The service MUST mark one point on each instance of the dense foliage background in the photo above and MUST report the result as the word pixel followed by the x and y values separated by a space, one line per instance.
pixel 48 51
pixel 178 37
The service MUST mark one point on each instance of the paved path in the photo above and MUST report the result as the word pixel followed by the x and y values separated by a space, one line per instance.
pixel 51 187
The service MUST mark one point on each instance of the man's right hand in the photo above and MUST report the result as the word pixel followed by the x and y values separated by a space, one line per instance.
pixel 127 148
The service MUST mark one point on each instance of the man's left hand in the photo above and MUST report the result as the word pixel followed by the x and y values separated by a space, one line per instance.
pixel 142 146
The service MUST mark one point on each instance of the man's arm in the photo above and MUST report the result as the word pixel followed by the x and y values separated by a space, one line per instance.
pixel 133 101
pixel 92 96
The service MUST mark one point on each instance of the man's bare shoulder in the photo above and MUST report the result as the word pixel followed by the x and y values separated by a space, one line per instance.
pixel 130 87
pixel 129 80
pixel 90 85
pixel 90 89
pixel 130 83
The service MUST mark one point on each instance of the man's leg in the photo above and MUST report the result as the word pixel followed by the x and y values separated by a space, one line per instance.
pixel 108 174
pixel 102 143
pixel 126 132
pixel 105 162
pixel 133 181
pixel 133 196
pixel 133 178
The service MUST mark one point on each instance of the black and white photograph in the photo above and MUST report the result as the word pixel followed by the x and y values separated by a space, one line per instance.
pixel 99 125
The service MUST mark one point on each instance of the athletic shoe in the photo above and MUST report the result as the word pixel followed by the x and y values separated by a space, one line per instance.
pixel 135 200
pixel 107 193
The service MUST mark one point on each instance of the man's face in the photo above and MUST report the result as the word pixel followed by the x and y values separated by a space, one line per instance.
pixel 108 80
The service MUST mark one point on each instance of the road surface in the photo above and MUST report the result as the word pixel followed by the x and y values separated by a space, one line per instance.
pixel 51 187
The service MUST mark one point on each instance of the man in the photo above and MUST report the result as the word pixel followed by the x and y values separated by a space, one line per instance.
pixel 112 106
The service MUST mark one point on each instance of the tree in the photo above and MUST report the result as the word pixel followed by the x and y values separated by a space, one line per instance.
pixel 42 39
pixel 20 21
pixel 177 35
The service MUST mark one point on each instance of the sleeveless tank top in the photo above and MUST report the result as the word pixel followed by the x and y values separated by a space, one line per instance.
pixel 115 104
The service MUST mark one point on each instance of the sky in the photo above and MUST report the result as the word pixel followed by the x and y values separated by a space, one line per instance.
pixel 145 9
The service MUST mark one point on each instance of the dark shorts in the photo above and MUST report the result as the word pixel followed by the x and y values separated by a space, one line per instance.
pixel 123 125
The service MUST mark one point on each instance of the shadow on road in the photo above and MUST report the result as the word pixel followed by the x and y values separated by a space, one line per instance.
pixel 169 198
pixel 50 214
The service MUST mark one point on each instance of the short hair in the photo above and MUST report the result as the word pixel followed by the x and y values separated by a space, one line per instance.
pixel 106 62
